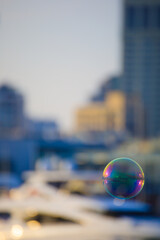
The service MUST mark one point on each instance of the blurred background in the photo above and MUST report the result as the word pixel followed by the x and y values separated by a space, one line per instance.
pixel 79 86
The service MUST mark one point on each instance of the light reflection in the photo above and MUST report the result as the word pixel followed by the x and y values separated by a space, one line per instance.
pixel 33 224
pixel 31 212
pixel 2 236
pixel 16 231
pixel 14 194
pixel 118 202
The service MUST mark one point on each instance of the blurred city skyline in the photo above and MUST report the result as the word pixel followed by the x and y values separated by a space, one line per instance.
pixel 79 87
pixel 53 59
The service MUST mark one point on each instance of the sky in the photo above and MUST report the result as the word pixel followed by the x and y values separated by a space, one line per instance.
pixel 58 52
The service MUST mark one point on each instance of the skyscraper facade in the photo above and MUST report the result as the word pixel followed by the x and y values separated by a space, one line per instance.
pixel 142 63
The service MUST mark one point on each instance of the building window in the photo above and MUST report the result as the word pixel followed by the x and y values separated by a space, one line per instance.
pixel 130 17
pixel 158 17
pixel 145 11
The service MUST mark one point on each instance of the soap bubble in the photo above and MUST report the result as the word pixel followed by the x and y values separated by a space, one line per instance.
pixel 123 178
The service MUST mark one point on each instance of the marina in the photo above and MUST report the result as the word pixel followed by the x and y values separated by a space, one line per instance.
pixel 38 210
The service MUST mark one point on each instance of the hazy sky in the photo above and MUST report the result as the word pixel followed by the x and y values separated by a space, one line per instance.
pixel 57 52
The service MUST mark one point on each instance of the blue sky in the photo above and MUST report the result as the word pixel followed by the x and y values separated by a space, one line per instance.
pixel 57 52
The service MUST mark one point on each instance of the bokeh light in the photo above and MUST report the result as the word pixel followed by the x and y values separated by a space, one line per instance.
pixel 2 236
pixel 34 225
pixel 123 178
pixel 16 231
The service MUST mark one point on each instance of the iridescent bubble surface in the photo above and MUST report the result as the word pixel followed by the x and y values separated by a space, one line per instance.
pixel 123 178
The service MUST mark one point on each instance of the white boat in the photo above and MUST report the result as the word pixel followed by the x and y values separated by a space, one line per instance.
pixel 38 211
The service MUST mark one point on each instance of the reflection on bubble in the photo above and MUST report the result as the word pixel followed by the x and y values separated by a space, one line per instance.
pixel 123 178
pixel 118 202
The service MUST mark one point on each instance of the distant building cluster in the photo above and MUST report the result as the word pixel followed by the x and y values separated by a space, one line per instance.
pixel 103 116
pixel 13 120
pixel 20 137
pixel 139 82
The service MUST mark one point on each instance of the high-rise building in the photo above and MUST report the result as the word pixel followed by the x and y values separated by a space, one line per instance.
pixel 142 62
pixel 11 112
pixel 111 84
pixel 14 122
